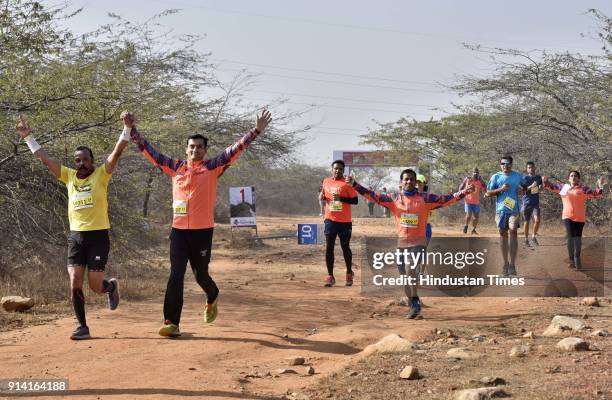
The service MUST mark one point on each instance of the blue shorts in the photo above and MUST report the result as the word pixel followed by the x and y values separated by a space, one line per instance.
pixel 472 208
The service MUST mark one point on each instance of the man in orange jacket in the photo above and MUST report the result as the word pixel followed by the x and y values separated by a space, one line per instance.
pixel 194 192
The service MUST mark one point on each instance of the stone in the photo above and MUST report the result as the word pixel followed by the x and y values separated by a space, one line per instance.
pixel 16 303
pixel 520 351
pixel 481 393
pixel 296 361
pixel 590 302
pixel 285 371
pixel 392 343
pixel 310 370
pixel 462 354
pixel 573 344
pixel 410 372
pixel 601 332
pixel 529 335
pixel 492 381
pixel 561 323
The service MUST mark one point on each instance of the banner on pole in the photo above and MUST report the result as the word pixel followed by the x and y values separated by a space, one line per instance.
pixel 242 206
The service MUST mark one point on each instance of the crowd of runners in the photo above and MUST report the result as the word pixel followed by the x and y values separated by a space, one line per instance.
pixel 194 191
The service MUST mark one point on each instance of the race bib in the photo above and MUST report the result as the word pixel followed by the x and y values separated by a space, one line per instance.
pixel 335 206
pixel 83 200
pixel 535 190
pixel 179 207
pixel 509 202
pixel 409 220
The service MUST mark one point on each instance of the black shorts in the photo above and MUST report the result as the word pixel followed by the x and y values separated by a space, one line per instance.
pixel 529 211
pixel 341 229
pixel 89 249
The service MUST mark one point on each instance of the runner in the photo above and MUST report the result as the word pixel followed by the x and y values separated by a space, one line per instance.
pixel 88 242
pixel 573 195
pixel 194 192
pixel 506 185
pixel 531 202
pixel 321 200
pixel 370 205
pixel 411 210
pixel 423 188
pixel 472 200
pixel 338 221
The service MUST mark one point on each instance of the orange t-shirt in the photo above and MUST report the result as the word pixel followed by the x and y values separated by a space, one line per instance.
pixel 336 210
pixel 574 199
pixel 474 197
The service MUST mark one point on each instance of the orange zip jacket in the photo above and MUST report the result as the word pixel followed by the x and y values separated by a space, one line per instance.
pixel 411 211
pixel 194 184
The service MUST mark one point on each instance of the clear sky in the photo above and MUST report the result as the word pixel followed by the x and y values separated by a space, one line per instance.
pixel 358 61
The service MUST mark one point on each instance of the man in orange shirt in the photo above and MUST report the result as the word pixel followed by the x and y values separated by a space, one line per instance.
pixel 411 210
pixel 338 221
pixel 472 200
pixel 194 193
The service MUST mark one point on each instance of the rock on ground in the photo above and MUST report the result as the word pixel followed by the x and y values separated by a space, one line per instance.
pixel 561 323
pixel 481 393
pixel 573 344
pixel 392 343
pixel 16 303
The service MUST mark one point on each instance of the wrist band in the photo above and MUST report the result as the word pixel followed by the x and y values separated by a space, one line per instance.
pixel 125 134
pixel 32 144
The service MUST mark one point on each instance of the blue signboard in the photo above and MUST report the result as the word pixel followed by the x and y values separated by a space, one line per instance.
pixel 310 233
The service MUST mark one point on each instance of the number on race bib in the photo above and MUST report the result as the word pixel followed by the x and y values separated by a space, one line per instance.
pixel 409 220
pixel 82 200
pixel 180 207
pixel 509 203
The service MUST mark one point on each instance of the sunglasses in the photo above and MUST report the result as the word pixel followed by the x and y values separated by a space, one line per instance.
pixel 505 163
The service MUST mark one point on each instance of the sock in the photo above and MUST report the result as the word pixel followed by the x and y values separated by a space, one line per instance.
pixel 78 302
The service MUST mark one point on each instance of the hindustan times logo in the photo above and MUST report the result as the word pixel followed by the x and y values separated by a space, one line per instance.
pixel 412 259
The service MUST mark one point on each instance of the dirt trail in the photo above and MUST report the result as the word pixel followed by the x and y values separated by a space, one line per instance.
pixel 272 307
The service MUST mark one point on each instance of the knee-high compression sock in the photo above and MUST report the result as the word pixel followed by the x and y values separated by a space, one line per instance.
pixel 78 302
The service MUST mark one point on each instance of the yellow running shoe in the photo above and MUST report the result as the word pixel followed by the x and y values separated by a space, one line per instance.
pixel 169 330
pixel 210 311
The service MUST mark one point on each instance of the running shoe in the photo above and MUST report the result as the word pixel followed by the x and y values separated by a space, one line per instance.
pixel 211 311
pixel 169 330
pixel 349 278
pixel 330 281
pixel 505 269
pixel 535 241
pixel 113 296
pixel 80 333
pixel 474 232
pixel 571 265
pixel 465 228
pixel 415 308
pixel 577 263
pixel 511 269
pixel 527 242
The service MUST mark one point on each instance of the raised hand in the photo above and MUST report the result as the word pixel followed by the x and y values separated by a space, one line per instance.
pixel 350 180
pixel 263 120
pixel 23 128
pixel 601 182
pixel 128 119
pixel 505 187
